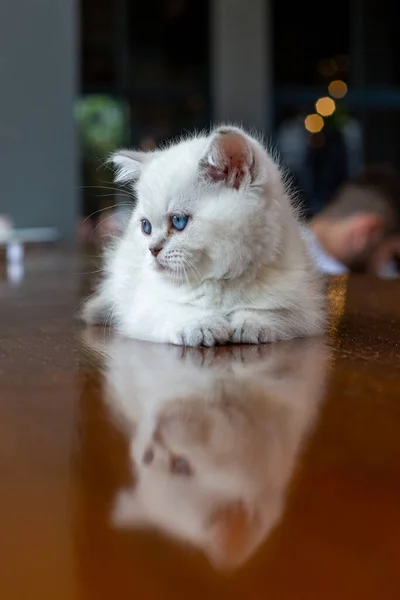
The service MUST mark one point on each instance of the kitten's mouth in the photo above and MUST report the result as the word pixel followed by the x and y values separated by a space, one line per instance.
pixel 159 266
pixel 163 268
pixel 166 268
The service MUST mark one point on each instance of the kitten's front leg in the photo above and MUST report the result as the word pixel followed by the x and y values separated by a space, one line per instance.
pixel 178 325
pixel 261 326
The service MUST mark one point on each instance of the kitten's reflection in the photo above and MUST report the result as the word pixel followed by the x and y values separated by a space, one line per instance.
pixel 214 436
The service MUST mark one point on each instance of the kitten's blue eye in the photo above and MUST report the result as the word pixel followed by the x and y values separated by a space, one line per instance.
pixel 179 222
pixel 146 226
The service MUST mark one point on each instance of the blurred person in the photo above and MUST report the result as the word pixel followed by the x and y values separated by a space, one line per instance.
pixel 359 229
pixel 319 164
pixel 388 253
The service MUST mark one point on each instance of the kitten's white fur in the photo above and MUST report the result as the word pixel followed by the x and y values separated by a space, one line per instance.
pixel 238 272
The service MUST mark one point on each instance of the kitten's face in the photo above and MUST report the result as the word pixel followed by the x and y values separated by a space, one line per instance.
pixel 205 206
pixel 198 231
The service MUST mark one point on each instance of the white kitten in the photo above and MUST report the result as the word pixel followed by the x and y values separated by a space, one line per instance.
pixel 213 251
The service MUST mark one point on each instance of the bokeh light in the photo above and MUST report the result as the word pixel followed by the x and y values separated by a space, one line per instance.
pixel 314 123
pixel 337 88
pixel 342 62
pixel 325 106
pixel 327 67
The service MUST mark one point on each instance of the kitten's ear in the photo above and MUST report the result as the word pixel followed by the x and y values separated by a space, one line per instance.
pixel 129 164
pixel 229 158
pixel 234 534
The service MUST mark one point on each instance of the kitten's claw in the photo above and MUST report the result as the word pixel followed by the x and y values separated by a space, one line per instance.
pixel 252 332
pixel 213 333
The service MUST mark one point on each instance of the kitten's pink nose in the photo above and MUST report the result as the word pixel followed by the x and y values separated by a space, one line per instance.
pixel 155 251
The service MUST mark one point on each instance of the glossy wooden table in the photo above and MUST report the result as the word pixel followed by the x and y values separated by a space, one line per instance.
pixel 136 471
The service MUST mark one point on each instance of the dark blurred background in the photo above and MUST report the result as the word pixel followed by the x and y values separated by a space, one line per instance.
pixel 81 78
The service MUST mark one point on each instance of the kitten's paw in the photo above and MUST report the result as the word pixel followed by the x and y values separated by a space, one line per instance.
pixel 250 330
pixel 210 332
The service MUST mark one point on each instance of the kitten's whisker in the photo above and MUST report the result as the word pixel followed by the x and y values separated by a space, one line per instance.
pixel 121 184
pixel 177 275
pixel 90 272
pixel 85 299
pixel 110 195
pixel 103 221
pixel 182 266
pixel 103 187
pixel 185 272
pixel 108 319
pixel 195 271
pixel 189 262
pixel 106 208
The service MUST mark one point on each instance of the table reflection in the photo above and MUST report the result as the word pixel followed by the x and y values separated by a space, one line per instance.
pixel 214 436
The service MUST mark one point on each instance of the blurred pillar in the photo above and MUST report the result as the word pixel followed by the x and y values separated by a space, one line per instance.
pixel 38 76
pixel 241 87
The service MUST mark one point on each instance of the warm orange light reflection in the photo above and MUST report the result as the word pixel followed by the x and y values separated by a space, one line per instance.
pixel 325 106
pixel 337 89
pixel 313 123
